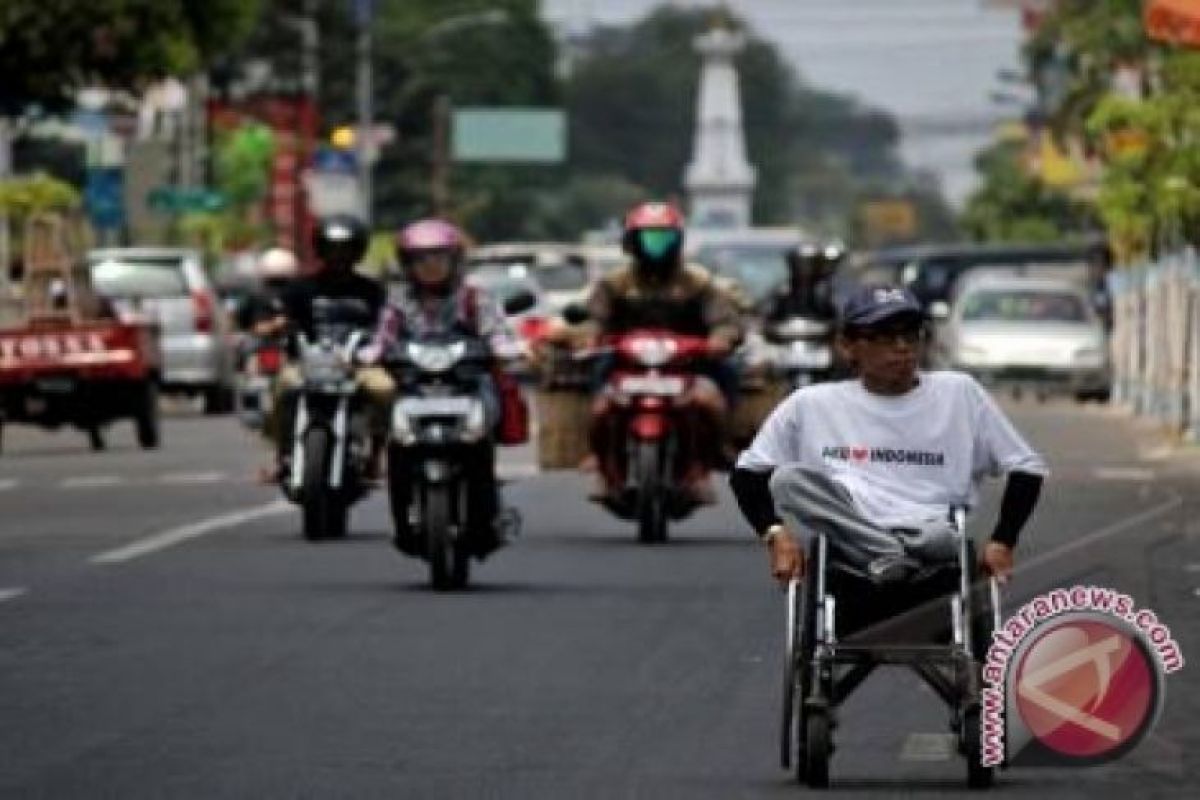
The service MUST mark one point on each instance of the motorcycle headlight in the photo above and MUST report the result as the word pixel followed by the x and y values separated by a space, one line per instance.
pixel 436 358
pixel 652 352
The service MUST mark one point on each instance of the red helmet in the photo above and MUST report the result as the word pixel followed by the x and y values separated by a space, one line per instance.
pixel 654 238
pixel 431 236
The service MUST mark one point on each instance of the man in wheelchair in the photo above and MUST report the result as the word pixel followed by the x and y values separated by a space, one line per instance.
pixel 866 476
pixel 876 463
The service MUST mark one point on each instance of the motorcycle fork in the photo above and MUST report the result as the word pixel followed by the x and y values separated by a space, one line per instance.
pixel 337 463
pixel 298 429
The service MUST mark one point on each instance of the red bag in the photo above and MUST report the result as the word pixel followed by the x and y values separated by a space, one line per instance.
pixel 514 411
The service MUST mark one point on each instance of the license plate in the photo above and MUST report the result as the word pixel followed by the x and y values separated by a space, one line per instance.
pixel 806 356
pixel 436 406
pixel 55 385
pixel 652 384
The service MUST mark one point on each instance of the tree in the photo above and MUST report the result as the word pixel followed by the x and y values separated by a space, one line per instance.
pixel 1012 205
pixel 631 101
pixel 476 52
pixel 50 48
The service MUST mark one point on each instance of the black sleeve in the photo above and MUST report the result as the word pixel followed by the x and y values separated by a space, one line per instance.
pixel 753 492
pixel 1020 496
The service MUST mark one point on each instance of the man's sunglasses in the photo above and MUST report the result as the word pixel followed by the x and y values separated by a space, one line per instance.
pixel 908 334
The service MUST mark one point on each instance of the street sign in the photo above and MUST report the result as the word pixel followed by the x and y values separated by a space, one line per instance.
pixel 889 220
pixel 513 135
pixel 103 197
pixel 333 193
pixel 333 160
pixel 184 199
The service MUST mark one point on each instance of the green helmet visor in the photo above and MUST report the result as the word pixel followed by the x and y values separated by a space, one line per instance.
pixel 657 242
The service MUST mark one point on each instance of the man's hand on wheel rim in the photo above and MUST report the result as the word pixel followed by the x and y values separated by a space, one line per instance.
pixel 998 561
pixel 787 557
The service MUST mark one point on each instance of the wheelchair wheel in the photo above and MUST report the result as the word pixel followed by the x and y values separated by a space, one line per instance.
pixel 792 656
pixel 818 747
pixel 980 611
pixel 980 607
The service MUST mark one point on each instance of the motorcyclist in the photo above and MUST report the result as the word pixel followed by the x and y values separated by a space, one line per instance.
pixel 255 317
pixel 277 268
pixel 808 291
pixel 434 300
pixel 339 242
pixel 656 289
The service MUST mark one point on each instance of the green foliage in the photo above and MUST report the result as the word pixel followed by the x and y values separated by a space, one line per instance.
pixel 1012 205
pixel 1150 193
pixel 630 97
pixel 631 100
pixel 49 48
pixel 20 197
pixel 243 164
pixel 1080 45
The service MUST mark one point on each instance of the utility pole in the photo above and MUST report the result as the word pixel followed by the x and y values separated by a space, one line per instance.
pixel 439 187
pixel 364 13
pixel 5 172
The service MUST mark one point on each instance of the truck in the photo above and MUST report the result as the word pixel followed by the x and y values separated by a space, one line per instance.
pixel 69 359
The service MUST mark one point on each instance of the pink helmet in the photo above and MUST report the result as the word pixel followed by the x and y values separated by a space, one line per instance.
pixel 428 236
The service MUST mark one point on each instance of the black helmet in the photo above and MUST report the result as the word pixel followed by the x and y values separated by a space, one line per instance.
pixel 340 241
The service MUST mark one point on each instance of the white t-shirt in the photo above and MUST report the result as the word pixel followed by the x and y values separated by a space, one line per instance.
pixel 903 459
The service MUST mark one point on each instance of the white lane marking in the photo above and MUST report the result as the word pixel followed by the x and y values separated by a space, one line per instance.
pixel 1193 567
pixel 92 482
pixel 11 594
pixel 8 484
pixel 1123 474
pixel 184 478
pixel 514 471
pixel 183 533
pixel 1109 530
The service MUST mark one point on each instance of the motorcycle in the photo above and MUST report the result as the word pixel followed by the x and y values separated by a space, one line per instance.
pixel 803 350
pixel 331 436
pixel 441 457
pixel 653 374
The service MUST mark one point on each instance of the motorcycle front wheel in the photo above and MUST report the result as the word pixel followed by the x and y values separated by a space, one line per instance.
pixel 449 562
pixel 652 501
pixel 324 515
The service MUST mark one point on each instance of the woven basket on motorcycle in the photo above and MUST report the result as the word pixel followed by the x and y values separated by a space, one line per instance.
pixel 563 406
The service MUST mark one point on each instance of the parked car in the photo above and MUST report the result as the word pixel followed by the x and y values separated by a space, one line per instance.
pixel 932 271
pixel 170 287
pixel 1034 334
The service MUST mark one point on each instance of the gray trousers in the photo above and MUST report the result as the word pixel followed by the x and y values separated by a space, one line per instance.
pixel 811 502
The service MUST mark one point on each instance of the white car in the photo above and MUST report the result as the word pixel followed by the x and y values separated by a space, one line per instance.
pixel 1030 333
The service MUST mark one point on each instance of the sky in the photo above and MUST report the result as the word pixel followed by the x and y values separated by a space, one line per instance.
pixel 932 63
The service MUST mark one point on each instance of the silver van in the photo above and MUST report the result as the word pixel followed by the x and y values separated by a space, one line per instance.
pixel 169 286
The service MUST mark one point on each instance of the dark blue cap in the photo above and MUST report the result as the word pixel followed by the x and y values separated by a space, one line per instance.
pixel 870 305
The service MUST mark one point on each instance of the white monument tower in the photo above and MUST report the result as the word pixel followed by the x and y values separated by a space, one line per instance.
pixel 720 182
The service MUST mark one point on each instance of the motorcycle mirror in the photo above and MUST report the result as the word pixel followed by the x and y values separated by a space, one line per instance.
pixel 575 314
pixel 522 301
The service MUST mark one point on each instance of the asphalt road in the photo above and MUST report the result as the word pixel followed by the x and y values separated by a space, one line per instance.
pixel 164 632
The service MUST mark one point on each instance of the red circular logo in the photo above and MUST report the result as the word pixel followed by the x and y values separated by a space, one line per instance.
pixel 1087 688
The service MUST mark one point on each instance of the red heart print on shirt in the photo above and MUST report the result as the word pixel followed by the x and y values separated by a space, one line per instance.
pixel 860 454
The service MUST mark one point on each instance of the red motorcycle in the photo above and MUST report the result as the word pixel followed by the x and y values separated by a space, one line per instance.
pixel 654 432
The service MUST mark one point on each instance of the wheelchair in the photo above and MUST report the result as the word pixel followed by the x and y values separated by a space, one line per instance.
pixel 840 627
